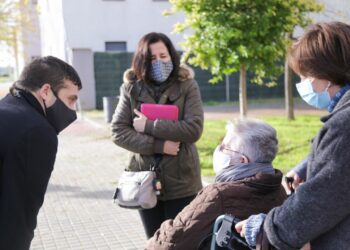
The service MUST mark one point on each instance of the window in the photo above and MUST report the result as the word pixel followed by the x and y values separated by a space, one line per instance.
pixel 115 46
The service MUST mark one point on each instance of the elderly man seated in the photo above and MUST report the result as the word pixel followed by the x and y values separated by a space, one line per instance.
pixel 245 184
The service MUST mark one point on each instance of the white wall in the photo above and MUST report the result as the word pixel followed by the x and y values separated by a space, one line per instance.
pixel 69 27
pixel 83 62
pixel 90 23
pixel 335 10
pixel 79 25
pixel 52 30
pixel 31 34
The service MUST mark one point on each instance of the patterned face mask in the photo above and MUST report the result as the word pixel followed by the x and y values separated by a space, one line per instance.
pixel 160 71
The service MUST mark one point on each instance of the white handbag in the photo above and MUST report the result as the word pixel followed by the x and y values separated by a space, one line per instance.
pixel 136 190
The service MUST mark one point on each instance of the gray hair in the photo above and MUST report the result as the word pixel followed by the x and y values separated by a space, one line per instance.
pixel 254 138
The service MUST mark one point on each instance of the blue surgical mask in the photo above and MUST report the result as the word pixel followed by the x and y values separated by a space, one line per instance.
pixel 220 160
pixel 160 71
pixel 319 100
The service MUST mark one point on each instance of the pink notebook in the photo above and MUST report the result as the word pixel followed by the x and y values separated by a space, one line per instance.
pixel 160 111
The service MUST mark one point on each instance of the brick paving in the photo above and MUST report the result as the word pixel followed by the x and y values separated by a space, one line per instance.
pixel 78 212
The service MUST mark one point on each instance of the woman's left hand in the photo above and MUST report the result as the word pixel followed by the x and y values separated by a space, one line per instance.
pixel 140 121
pixel 240 227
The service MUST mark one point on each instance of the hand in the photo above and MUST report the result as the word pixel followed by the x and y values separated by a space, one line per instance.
pixel 240 227
pixel 140 121
pixel 171 147
pixel 297 181
pixel 307 246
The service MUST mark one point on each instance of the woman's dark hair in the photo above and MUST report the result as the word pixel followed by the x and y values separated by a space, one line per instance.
pixel 49 70
pixel 142 59
pixel 323 52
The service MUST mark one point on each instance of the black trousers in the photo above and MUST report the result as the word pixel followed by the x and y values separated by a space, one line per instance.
pixel 153 218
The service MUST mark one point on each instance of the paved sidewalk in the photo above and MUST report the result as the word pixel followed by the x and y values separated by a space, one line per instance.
pixel 78 212
pixel 259 110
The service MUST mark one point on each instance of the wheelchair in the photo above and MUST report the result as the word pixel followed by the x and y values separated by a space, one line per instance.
pixel 225 236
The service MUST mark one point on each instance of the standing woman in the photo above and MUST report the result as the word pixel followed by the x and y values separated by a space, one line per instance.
pixel 318 212
pixel 156 76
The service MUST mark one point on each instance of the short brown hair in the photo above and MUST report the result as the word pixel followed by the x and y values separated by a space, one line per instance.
pixel 142 59
pixel 49 69
pixel 323 52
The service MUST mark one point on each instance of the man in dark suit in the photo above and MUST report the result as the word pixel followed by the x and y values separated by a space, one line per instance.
pixel 40 105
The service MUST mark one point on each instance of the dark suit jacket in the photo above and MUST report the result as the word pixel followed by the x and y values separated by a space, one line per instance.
pixel 28 146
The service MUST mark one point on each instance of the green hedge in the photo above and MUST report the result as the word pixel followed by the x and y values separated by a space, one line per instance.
pixel 109 69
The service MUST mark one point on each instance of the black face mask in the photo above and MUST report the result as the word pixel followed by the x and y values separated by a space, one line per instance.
pixel 59 115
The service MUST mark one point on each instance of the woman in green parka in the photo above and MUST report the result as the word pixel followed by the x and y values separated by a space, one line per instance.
pixel 156 76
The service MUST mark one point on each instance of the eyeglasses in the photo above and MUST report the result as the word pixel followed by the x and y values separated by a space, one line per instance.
pixel 223 147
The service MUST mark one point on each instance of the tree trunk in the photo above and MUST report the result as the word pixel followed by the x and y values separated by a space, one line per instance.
pixel 227 81
pixel 243 91
pixel 288 91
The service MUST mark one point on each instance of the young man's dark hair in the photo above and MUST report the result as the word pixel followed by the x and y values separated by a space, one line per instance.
pixel 49 70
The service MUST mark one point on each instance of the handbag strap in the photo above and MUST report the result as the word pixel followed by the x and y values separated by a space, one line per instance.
pixel 155 164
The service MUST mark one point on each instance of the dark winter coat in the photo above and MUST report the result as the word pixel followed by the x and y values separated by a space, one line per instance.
pixel 319 211
pixel 28 145
pixel 180 175
pixel 242 198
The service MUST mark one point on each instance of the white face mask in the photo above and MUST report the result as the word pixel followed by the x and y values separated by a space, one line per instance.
pixel 220 160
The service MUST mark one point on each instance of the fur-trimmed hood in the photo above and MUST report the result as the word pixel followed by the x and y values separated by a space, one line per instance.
pixel 185 73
